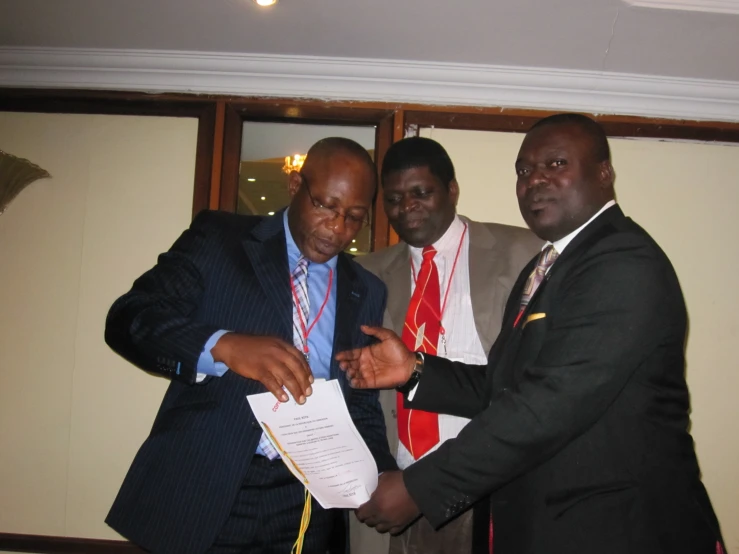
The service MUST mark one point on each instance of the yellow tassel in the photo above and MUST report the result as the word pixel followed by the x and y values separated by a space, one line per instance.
pixel 304 521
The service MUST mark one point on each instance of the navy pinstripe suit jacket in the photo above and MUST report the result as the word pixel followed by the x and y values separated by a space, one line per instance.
pixel 225 272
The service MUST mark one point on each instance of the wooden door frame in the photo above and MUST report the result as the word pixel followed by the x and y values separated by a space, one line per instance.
pixel 386 119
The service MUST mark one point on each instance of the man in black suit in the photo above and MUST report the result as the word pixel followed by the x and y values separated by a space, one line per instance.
pixel 216 315
pixel 580 419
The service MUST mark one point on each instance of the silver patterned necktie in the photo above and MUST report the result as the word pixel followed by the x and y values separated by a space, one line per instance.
pixel 545 261
pixel 301 309
pixel 301 304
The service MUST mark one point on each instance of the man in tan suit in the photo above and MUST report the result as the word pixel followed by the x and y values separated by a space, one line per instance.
pixel 477 265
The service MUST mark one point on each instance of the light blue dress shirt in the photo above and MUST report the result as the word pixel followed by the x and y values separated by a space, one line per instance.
pixel 321 337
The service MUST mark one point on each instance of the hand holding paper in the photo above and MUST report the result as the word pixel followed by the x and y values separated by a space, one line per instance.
pixel 320 445
pixel 390 509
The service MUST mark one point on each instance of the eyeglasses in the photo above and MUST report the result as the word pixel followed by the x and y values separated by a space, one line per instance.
pixel 327 212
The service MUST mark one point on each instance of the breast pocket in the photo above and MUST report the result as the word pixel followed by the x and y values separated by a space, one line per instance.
pixel 534 326
pixel 533 317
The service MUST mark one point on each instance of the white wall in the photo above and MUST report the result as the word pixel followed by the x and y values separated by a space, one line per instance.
pixel 72 413
pixel 686 196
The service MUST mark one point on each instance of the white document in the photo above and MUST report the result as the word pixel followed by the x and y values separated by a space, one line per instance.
pixel 320 444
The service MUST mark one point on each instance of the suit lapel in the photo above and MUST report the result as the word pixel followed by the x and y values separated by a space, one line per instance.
pixel 506 344
pixel 397 278
pixel 511 337
pixel 597 228
pixel 350 294
pixel 266 250
pixel 487 281
pixel 584 239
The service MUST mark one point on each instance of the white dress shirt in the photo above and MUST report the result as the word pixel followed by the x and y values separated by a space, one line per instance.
pixel 462 342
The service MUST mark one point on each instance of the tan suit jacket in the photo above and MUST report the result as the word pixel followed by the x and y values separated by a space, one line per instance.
pixel 497 254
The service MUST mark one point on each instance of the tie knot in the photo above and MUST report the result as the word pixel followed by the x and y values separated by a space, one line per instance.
pixel 301 266
pixel 547 257
pixel 428 252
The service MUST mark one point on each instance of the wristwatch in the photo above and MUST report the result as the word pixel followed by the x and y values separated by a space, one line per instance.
pixel 415 375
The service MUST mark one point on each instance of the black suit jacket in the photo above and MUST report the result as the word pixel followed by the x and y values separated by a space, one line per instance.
pixel 580 428
pixel 225 272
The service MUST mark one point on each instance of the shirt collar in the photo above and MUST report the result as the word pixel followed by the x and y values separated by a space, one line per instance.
pixel 448 242
pixel 294 253
pixel 561 244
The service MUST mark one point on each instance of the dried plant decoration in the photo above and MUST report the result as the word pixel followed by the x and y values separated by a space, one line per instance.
pixel 15 175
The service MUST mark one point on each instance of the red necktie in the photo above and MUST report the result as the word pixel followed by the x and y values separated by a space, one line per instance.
pixel 418 430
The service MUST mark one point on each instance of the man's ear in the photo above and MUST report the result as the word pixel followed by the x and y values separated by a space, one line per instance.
pixel 294 180
pixel 454 192
pixel 607 174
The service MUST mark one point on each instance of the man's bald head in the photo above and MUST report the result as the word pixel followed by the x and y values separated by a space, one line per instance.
pixel 590 128
pixel 336 147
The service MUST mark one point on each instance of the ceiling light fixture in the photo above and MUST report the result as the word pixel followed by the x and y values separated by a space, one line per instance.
pixel 265 2
pixel 251 179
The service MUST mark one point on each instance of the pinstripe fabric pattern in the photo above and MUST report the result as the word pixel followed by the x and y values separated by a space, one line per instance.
pixel 225 272
pixel 265 532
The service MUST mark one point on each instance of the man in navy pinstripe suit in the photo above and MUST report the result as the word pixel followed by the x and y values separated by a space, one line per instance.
pixel 215 315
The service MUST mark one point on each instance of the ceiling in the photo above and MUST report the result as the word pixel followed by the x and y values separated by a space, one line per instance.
pixel 593 35
pixel 597 56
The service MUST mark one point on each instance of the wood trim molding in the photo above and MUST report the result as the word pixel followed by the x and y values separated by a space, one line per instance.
pixel 204 154
pixel 311 111
pixel 101 102
pixel 231 160
pixel 318 111
pixel 359 79
pixel 399 133
pixel 217 162
pixel 49 544
pixel 519 121
pixel 380 227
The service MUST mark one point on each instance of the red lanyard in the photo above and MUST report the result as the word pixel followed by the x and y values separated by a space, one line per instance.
pixel 448 284
pixel 306 330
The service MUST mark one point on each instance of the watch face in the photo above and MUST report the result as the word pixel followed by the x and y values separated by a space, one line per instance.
pixel 408 385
